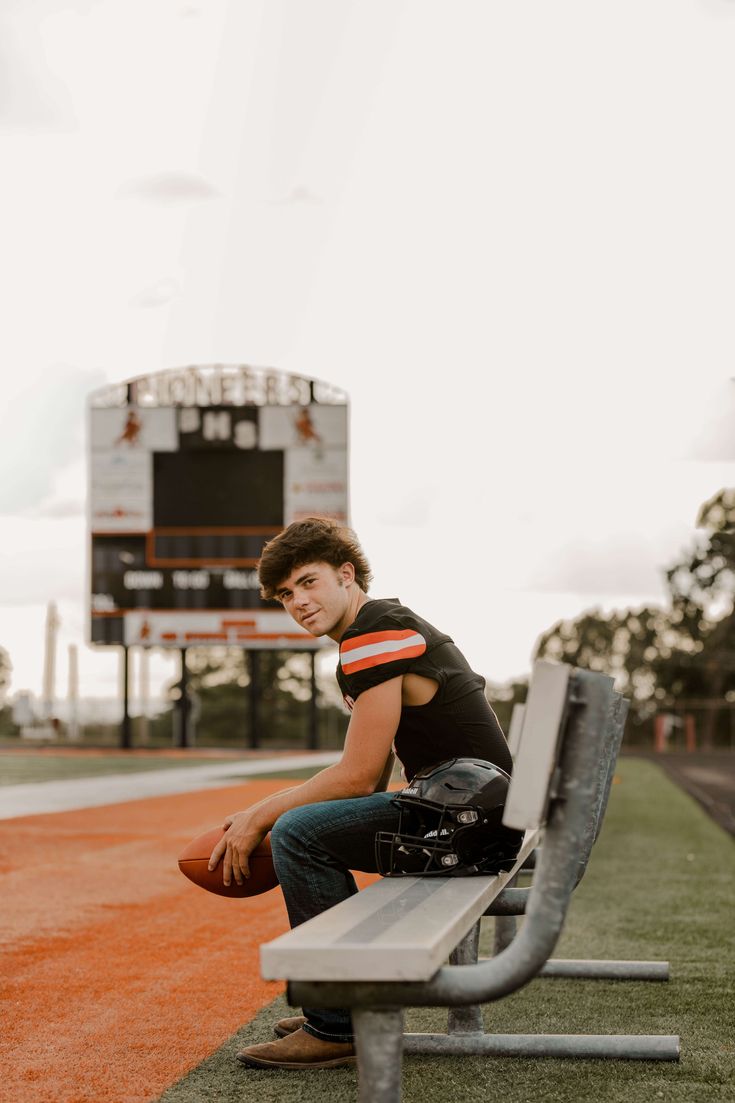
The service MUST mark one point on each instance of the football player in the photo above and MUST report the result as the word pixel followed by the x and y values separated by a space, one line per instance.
pixel 411 694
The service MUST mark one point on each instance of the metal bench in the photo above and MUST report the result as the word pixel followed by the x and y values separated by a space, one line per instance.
pixel 510 905
pixel 384 949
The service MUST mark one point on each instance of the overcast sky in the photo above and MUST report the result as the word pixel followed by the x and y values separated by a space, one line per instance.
pixel 507 230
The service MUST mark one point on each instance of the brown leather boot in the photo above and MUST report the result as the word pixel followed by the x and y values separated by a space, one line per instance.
pixel 299 1050
pixel 287 1026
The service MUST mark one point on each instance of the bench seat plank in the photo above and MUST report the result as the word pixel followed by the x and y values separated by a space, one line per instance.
pixel 404 928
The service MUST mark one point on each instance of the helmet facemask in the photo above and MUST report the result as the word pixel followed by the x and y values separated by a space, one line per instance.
pixel 449 838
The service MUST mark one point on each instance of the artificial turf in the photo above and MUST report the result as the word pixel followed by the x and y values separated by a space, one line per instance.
pixel 18 768
pixel 659 887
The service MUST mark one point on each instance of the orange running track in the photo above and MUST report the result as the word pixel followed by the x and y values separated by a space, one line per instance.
pixel 119 975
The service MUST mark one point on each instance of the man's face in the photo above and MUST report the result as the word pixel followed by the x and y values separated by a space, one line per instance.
pixel 317 596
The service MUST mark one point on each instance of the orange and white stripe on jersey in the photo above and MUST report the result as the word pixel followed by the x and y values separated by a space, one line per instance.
pixel 376 648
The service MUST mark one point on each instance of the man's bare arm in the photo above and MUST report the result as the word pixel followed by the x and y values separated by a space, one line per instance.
pixel 387 773
pixel 364 768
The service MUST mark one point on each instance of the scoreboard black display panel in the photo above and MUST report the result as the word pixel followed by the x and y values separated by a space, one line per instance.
pixel 217 489
pixel 182 500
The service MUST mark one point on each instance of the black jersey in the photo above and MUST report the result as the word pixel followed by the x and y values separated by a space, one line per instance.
pixel 387 640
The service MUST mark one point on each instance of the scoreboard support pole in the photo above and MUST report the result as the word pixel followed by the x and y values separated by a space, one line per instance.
pixel 125 739
pixel 254 698
pixel 313 714
pixel 183 703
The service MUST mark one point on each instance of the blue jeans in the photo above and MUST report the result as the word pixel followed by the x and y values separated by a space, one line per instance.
pixel 314 848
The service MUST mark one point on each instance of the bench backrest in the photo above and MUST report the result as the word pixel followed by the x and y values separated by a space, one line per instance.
pixel 516 729
pixel 537 755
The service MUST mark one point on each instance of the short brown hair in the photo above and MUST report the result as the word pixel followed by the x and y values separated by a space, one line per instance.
pixel 315 540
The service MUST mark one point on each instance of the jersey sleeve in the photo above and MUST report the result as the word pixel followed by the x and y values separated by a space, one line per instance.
pixel 387 650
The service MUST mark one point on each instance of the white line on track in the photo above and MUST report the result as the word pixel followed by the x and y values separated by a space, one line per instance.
pixel 38 798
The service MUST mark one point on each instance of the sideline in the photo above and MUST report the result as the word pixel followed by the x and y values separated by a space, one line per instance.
pixel 707 776
pixel 38 798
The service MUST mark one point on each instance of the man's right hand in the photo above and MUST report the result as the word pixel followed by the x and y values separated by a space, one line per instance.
pixel 242 835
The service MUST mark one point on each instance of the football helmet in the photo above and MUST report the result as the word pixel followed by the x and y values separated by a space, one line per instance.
pixel 450 823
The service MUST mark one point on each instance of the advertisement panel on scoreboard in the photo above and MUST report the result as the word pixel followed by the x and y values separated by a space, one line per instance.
pixel 303 426
pixel 132 428
pixel 315 483
pixel 264 628
pixel 182 500
pixel 121 491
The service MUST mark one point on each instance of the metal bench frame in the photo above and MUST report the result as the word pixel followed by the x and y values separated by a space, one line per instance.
pixel 509 903
pixel 581 785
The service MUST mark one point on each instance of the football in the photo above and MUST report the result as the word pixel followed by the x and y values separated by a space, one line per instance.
pixel 194 860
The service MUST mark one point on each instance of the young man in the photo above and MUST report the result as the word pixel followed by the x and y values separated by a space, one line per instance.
pixel 410 692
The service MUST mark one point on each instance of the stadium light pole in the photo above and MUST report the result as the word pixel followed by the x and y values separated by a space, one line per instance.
pixel 72 729
pixel 49 661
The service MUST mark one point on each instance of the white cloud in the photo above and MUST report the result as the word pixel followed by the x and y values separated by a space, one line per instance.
pixel 35 99
pixel 616 564
pixel 157 294
pixel 67 497
pixel 525 288
pixel 712 439
pixel 299 195
pixel 45 558
pixel 167 188
pixel 43 431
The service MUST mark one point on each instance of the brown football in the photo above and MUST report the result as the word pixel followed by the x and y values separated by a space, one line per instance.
pixel 194 860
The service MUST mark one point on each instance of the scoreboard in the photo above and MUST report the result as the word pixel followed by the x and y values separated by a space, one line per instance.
pixel 186 486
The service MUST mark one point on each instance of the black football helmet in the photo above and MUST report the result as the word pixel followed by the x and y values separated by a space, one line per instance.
pixel 450 823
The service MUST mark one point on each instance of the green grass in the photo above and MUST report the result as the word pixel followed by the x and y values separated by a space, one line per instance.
pixel 659 887
pixel 17 769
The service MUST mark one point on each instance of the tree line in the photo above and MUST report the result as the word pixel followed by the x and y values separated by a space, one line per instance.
pixel 679 658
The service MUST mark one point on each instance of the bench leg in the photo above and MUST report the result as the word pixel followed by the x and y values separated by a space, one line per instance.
pixel 466 1020
pixel 505 932
pixel 379 1044
pixel 616 1047
pixel 606 970
pixel 593 969
pixel 505 926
